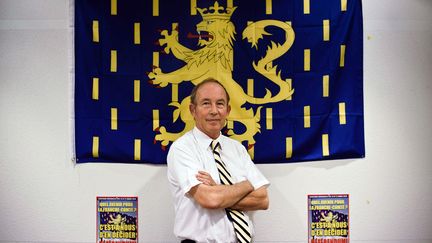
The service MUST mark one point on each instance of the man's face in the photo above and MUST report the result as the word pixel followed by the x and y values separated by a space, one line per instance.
pixel 211 109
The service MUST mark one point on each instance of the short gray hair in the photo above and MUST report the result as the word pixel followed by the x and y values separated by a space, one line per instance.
pixel 209 80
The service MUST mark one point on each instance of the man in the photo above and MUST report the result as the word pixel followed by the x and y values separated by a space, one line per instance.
pixel 208 208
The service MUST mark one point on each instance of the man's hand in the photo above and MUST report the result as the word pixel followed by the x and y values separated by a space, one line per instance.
pixel 205 178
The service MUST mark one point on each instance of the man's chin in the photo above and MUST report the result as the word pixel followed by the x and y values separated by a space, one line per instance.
pixel 214 123
pixel 215 128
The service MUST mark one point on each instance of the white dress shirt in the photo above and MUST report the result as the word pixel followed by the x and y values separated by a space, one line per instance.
pixel 192 153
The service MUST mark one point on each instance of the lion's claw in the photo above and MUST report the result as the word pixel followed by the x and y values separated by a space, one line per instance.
pixel 162 137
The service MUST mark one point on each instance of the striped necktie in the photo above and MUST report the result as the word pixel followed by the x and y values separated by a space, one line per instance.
pixel 237 217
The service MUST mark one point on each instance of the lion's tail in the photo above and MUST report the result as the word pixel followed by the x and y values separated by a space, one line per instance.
pixel 255 31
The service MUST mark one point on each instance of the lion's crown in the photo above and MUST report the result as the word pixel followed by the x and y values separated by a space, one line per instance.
pixel 218 12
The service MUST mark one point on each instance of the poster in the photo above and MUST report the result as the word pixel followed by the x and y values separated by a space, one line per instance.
pixel 117 219
pixel 328 218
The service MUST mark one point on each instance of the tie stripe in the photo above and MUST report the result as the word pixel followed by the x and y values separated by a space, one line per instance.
pixel 238 215
pixel 238 218
pixel 224 174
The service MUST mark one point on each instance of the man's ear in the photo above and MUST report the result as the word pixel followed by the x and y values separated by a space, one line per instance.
pixel 192 108
pixel 228 109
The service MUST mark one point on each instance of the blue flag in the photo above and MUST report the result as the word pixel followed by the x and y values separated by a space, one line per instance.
pixel 293 69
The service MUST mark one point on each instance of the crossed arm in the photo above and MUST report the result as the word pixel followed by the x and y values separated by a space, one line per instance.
pixel 240 196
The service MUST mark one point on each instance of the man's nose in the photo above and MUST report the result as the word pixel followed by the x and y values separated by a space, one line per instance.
pixel 213 109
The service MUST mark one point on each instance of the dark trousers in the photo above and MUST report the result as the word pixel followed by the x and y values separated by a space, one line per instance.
pixel 188 241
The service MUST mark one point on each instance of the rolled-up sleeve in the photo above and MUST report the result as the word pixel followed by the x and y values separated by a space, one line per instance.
pixel 182 167
pixel 254 176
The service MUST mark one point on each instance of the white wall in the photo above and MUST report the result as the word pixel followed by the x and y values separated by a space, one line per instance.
pixel 45 197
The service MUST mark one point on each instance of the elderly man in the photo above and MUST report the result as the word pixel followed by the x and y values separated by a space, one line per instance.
pixel 212 178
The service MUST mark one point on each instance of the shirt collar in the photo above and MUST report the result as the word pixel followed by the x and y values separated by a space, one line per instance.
pixel 204 140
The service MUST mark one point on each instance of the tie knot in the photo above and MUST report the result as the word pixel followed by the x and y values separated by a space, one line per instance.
pixel 214 145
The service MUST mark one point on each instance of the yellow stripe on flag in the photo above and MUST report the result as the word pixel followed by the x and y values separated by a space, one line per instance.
pixel 250 87
pixel 307 54
pixel 156 59
pixel 269 7
pixel 342 113
pixel 344 5
pixel 289 147
pixel 269 118
pixel 155 7
pixel 137 33
pixel 307 118
pixel 137 149
pixel 113 67
pixel 95 28
pixel 230 124
pixel 342 56
pixel 137 89
pixel 193 6
pixel 113 7
pixel 114 119
pixel 230 3
pixel 155 119
pixel 326 83
pixel 306 6
pixel 95 89
pixel 174 92
pixel 325 145
pixel 95 147
pixel 326 30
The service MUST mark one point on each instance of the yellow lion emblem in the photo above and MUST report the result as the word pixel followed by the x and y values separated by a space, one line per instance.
pixel 215 59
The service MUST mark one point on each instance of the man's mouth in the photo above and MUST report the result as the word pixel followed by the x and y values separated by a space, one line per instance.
pixel 213 120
